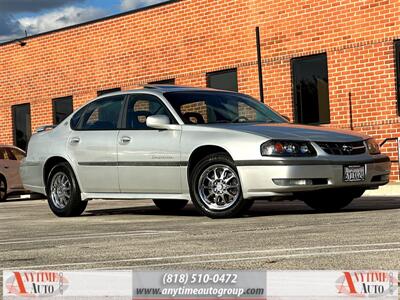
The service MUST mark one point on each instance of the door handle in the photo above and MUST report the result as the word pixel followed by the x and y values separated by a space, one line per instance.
pixel 125 139
pixel 75 140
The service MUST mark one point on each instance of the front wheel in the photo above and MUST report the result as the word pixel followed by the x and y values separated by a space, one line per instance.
pixel 215 187
pixel 330 200
pixel 170 205
pixel 63 193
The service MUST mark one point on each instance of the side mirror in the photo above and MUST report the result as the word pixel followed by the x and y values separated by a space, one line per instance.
pixel 286 118
pixel 158 122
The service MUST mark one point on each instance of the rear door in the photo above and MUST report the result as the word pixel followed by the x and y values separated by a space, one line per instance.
pixel 93 145
pixel 149 159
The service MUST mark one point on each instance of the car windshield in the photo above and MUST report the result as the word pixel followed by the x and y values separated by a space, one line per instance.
pixel 208 107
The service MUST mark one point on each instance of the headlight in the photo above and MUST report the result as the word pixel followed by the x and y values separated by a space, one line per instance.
pixel 373 147
pixel 287 148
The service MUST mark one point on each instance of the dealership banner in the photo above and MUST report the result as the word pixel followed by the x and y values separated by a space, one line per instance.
pixel 200 284
pixel 221 284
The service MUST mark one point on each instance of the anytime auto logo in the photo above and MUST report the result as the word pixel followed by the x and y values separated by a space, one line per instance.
pixel 367 284
pixel 35 283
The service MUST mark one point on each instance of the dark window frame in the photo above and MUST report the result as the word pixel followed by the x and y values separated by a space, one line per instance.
pixel 108 91
pixel 54 102
pixel 295 101
pixel 13 115
pixel 220 72
pixel 397 70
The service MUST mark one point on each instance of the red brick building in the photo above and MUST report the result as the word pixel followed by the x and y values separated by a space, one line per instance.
pixel 325 62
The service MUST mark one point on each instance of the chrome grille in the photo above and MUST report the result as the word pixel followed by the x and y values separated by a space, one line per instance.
pixel 351 148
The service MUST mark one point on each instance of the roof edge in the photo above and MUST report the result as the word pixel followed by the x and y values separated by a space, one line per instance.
pixel 129 12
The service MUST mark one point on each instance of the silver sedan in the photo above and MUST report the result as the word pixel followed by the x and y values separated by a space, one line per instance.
pixel 221 150
pixel 10 180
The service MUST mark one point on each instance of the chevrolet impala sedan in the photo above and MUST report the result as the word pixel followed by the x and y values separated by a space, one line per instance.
pixel 221 150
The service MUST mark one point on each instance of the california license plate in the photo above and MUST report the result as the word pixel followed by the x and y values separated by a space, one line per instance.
pixel 354 173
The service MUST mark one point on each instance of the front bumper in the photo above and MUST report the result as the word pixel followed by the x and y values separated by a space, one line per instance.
pixel 257 176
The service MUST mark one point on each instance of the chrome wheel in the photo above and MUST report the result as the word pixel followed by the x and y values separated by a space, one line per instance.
pixel 60 189
pixel 219 187
pixel 3 190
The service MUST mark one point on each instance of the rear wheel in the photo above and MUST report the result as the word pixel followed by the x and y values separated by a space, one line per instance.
pixel 330 200
pixel 215 187
pixel 170 205
pixel 3 189
pixel 63 193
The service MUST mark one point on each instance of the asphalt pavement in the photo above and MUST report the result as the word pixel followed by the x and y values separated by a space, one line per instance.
pixel 136 235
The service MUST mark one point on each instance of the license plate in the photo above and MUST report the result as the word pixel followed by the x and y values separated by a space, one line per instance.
pixel 354 173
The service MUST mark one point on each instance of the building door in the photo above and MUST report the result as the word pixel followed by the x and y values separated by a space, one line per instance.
pixel 21 125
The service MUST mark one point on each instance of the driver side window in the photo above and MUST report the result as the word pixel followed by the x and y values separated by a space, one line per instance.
pixel 141 106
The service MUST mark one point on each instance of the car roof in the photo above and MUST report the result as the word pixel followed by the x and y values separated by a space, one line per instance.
pixel 162 88
pixel 174 88
pixel 10 146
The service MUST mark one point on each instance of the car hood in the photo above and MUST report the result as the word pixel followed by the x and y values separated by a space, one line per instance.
pixel 287 131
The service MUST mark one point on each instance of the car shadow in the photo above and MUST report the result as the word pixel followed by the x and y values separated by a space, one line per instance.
pixel 259 209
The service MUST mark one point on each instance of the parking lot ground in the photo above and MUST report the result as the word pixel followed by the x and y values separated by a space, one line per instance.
pixel 136 235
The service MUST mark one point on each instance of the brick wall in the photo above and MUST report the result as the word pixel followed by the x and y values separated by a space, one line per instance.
pixel 188 38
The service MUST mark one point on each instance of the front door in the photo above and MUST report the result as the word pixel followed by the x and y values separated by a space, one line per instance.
pixel 148 159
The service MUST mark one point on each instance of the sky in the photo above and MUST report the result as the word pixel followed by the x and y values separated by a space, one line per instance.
pixel 36 16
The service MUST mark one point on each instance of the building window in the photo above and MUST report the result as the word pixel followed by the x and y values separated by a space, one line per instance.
pixel 223 80
pixel 103 92
pixel 62 108
pixel 397 57
pixel 311 94
pixel 21 125
pixel 165 81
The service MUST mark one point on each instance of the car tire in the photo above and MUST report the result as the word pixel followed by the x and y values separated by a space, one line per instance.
pixel 248 205
pixel 63 193
pixel 3 189
pixel 331 200
pixel 222 196
pixel 168 205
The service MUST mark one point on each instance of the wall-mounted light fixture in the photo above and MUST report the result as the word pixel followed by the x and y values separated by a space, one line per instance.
pixel 21 42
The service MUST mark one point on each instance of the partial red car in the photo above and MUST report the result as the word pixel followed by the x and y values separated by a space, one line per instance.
pixel 10 180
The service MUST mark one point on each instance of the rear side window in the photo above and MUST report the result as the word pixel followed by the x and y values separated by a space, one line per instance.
pixel 3 154
pixel 75 118
pixel 15 154
pixel 102 114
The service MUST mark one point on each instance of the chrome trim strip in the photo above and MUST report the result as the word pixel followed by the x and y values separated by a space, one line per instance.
pixel 135 164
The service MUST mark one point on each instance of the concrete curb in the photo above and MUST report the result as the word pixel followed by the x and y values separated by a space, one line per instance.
pixel 391 189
